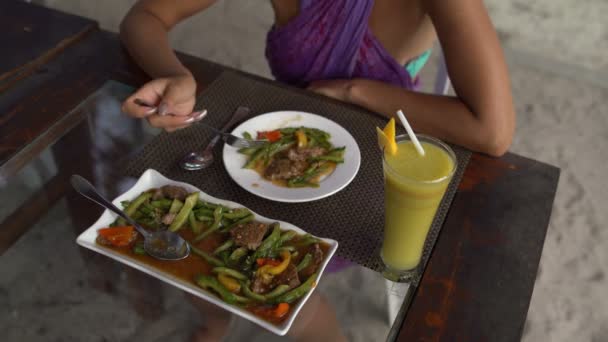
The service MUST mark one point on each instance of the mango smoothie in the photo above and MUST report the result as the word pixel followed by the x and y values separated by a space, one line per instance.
pixel 413 188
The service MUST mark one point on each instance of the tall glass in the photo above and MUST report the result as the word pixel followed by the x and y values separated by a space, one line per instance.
pixel 413 188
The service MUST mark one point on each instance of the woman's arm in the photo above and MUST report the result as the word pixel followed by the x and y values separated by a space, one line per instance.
pixel 482 117
pixel 144 32
pixel 173 88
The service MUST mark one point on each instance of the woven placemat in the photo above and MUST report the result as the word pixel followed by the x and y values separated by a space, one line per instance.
pixel 354 216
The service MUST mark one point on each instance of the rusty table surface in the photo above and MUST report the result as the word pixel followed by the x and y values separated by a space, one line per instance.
pixel 479 280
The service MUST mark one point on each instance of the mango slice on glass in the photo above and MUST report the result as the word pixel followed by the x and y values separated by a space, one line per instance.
pixel 386 137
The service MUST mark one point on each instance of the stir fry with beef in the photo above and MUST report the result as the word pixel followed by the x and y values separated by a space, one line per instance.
pixel 256 265
pixel 293 156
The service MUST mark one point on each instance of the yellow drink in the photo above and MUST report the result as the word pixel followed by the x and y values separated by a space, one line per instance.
pixel 413 188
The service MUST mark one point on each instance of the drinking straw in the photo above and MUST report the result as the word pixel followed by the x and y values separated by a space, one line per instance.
pixel 410 132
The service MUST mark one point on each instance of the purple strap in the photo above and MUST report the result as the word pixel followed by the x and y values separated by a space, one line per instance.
pixel 330 39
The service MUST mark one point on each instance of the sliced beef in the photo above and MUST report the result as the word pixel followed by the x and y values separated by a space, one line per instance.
pixel 284 168
pixel 170 191
pixel 302 154
pixel 249 235
pixel 288 277
pixel 317 259
pixel 168 218
pixel 260 285
pixel 158 194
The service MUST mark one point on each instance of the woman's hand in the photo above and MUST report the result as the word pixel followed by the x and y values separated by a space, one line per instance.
pixel 337 89
pixel 174 98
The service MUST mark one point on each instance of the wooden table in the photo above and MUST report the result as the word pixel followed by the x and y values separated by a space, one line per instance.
pixel 479 280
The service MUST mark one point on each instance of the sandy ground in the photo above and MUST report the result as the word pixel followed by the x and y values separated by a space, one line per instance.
pixel 557 53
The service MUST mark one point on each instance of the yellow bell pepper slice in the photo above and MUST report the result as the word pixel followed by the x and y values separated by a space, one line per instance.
pixel 229 283
pixel 278 269
pixel 301 137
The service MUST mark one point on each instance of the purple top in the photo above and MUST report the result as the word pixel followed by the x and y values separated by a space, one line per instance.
pixel 330 39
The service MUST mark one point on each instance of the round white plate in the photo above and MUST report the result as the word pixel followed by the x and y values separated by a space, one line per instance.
pixel 254 183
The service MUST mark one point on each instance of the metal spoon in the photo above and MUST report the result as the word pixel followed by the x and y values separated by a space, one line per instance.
pixel 199 160
pixel 163 245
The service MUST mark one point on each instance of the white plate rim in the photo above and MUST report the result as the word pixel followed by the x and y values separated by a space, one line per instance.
pixel 346 172
pixel 151 179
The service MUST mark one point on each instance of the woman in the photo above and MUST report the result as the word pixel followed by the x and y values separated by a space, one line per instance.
pixel 364 52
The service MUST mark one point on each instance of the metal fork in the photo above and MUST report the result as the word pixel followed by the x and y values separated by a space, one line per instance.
pixel 233 140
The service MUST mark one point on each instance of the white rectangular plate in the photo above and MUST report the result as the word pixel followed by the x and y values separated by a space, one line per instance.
pixel 152 179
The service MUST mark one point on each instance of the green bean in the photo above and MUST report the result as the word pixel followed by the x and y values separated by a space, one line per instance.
pixel 265 248
pixel 237 213
pixel 338 149
pixel 196 226
pixel 277 291
pixel 176 205
pixel 315 131
pixel 207 282
pixel 204 212
pixel 149 223
pixel 124 204
pixel 312 142
pixel 248 151
pixel 237 254
pixel 305 262
pixel 277 250
pixel 334 159
pixel 288 130
pixel 298 292
pixel 311 170
pixel 252 295
pixel 230 272
pixel 184 212
pixel 211 206
pixel 307 240
pixel 146 211
pixel 247 135
pixel 279 146
pixel 224 255
pixel 133 206
pixel 301 184
pixel 163 203
pixel 224 246
pixel 147 206
pixel 208 258
pixel 204 218
pixel 254 158
pixel 241 221
pixel 286 236
pixel 138 248
pixel 217 219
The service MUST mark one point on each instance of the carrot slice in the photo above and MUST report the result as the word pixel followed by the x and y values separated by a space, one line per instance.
pixel 271 136
pixel 281 310
pixel 118 236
